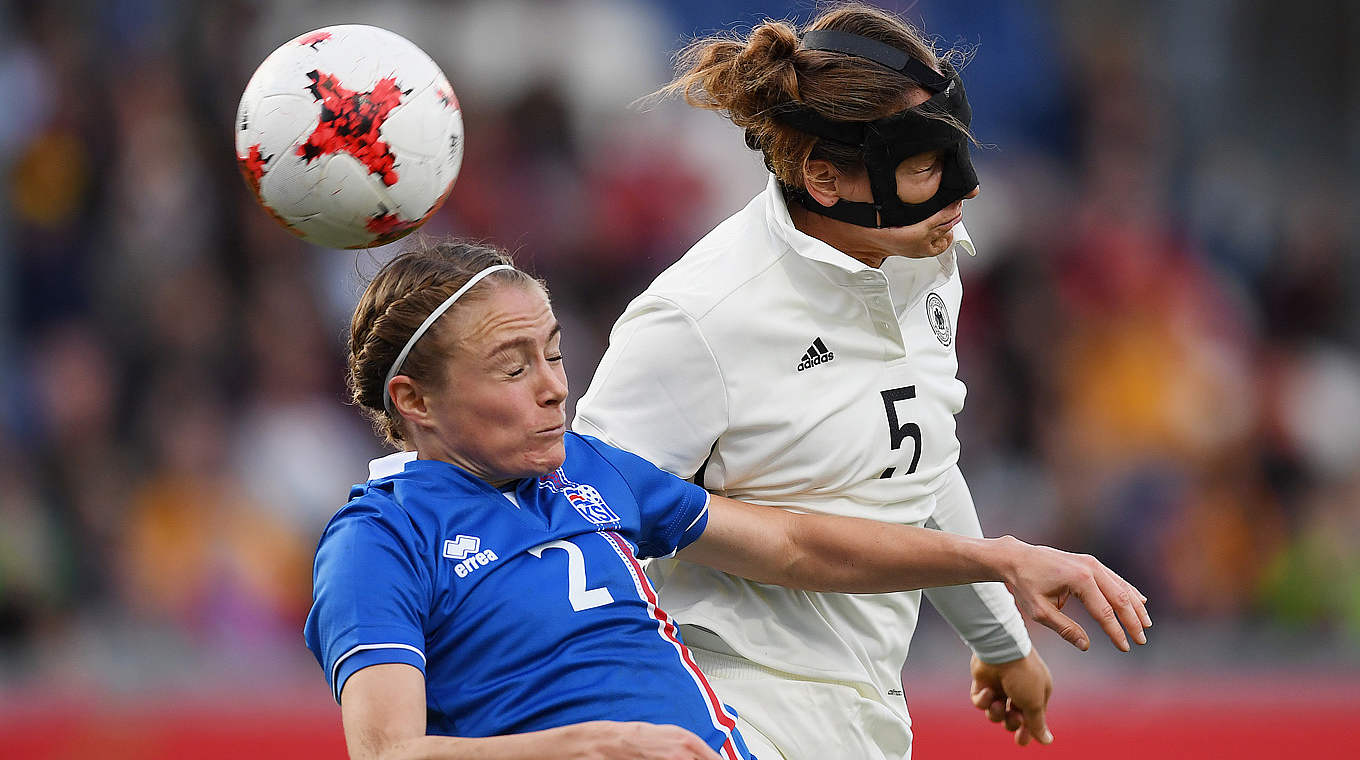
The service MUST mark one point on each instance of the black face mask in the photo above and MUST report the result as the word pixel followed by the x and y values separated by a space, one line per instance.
pixel 885 143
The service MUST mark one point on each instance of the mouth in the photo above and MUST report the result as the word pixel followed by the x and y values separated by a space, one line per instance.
pixel 557 429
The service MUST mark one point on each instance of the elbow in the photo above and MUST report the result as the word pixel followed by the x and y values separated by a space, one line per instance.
pixel 404 750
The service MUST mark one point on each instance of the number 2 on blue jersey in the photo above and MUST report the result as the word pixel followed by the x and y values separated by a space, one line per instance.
pixel 581 598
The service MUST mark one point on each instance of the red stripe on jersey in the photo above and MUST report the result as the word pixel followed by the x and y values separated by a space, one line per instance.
pixel 717 710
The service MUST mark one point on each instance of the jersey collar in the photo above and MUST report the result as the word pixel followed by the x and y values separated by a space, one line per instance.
pixel 395 464
pixel 385 467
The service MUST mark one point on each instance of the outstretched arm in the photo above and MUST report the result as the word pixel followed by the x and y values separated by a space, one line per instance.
pixel 851 555
pixel 383 709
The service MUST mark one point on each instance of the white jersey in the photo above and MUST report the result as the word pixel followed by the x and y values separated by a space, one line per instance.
pixel 777 370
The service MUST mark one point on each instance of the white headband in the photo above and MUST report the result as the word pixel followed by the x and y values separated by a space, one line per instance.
pixel 436 314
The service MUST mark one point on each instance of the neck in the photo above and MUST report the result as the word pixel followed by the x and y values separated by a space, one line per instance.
pixel 843 236
pixel 432 447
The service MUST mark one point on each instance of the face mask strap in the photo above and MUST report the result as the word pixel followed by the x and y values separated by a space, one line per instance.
pixel 836 41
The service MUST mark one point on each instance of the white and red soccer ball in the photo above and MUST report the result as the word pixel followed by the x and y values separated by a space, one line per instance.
pixel 350 136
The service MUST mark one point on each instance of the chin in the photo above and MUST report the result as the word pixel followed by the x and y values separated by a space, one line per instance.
pixel 547 462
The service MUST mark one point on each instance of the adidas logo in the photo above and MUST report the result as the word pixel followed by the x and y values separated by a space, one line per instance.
pixel 816 354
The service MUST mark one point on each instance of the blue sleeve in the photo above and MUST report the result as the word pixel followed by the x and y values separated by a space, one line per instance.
pixel 370 595
pixel 674 511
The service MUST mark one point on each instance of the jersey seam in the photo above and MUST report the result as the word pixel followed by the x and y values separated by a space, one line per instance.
pixel 335 668
pixel 712 355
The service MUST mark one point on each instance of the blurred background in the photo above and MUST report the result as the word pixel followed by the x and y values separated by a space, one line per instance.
pixel 1160 336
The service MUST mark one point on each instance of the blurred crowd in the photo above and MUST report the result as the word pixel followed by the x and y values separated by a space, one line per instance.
pixel 1160 336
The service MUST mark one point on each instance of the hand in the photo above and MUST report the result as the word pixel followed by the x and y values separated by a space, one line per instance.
pixel 1016 693
pixel 610 740
pixel 1043 579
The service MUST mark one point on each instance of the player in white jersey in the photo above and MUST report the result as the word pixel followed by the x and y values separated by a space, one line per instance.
pixel 803 353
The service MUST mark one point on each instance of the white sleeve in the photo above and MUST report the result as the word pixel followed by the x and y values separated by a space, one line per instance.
pixel 983 614
pixel 658 391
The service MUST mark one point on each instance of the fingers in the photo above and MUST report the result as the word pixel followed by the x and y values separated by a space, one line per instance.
pixel 1047 615
pixel 1142 606
pixel 641 739
pixel 1035 726
pixel 1025 725
pixel 1013 716
pixel 988 701
pixel 1127 606
pixel 1126 602
pixel 981 697
pixel 699 749
pixel 1091 595
pixel 996 711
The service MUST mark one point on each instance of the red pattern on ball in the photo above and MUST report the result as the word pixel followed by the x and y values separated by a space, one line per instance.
pixel 350 123
pixel 314 39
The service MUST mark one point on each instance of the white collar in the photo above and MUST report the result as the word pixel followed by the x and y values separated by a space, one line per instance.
pixel 781 224
pixel 389 465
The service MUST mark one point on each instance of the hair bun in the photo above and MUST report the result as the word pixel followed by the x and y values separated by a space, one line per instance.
pixel 772 42
pixel 765 73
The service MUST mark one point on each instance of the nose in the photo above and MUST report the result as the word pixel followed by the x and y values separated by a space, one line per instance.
pixel 973 193
pixel 554 390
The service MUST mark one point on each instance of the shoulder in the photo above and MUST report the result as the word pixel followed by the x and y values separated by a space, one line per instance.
pixel 593 454
pixel 587 451
pixel 405 505
pixel 373 513
pixel 723 264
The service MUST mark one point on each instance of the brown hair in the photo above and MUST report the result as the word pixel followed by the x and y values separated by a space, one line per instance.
pixel 746 79
pixel 401 295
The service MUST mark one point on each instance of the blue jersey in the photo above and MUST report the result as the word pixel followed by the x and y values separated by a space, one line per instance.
pixel 523 614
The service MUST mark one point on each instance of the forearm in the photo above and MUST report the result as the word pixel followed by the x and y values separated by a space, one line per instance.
pixel 843 554
pixel 383 709
pixel 846 555
pixel 864 556
pixel 850 555
pixel 594 740
pixel 530 746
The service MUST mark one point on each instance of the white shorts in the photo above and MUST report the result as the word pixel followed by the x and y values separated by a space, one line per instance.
pixel 782 717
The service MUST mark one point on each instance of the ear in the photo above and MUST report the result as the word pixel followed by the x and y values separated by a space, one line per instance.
pixel 408 401
pixel 822 181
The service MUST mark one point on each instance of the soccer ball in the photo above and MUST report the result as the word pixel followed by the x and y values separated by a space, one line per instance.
pixel 349 136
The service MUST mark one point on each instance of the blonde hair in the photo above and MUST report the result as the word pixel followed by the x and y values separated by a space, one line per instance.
pixel 397 300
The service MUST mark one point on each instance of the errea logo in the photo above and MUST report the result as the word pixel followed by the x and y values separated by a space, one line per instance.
pixel 467 552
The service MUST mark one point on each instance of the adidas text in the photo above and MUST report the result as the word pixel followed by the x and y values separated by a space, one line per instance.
pixel 812 361
pixel 816 354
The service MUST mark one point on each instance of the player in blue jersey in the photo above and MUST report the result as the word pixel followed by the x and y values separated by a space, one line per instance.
pixel 481 594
